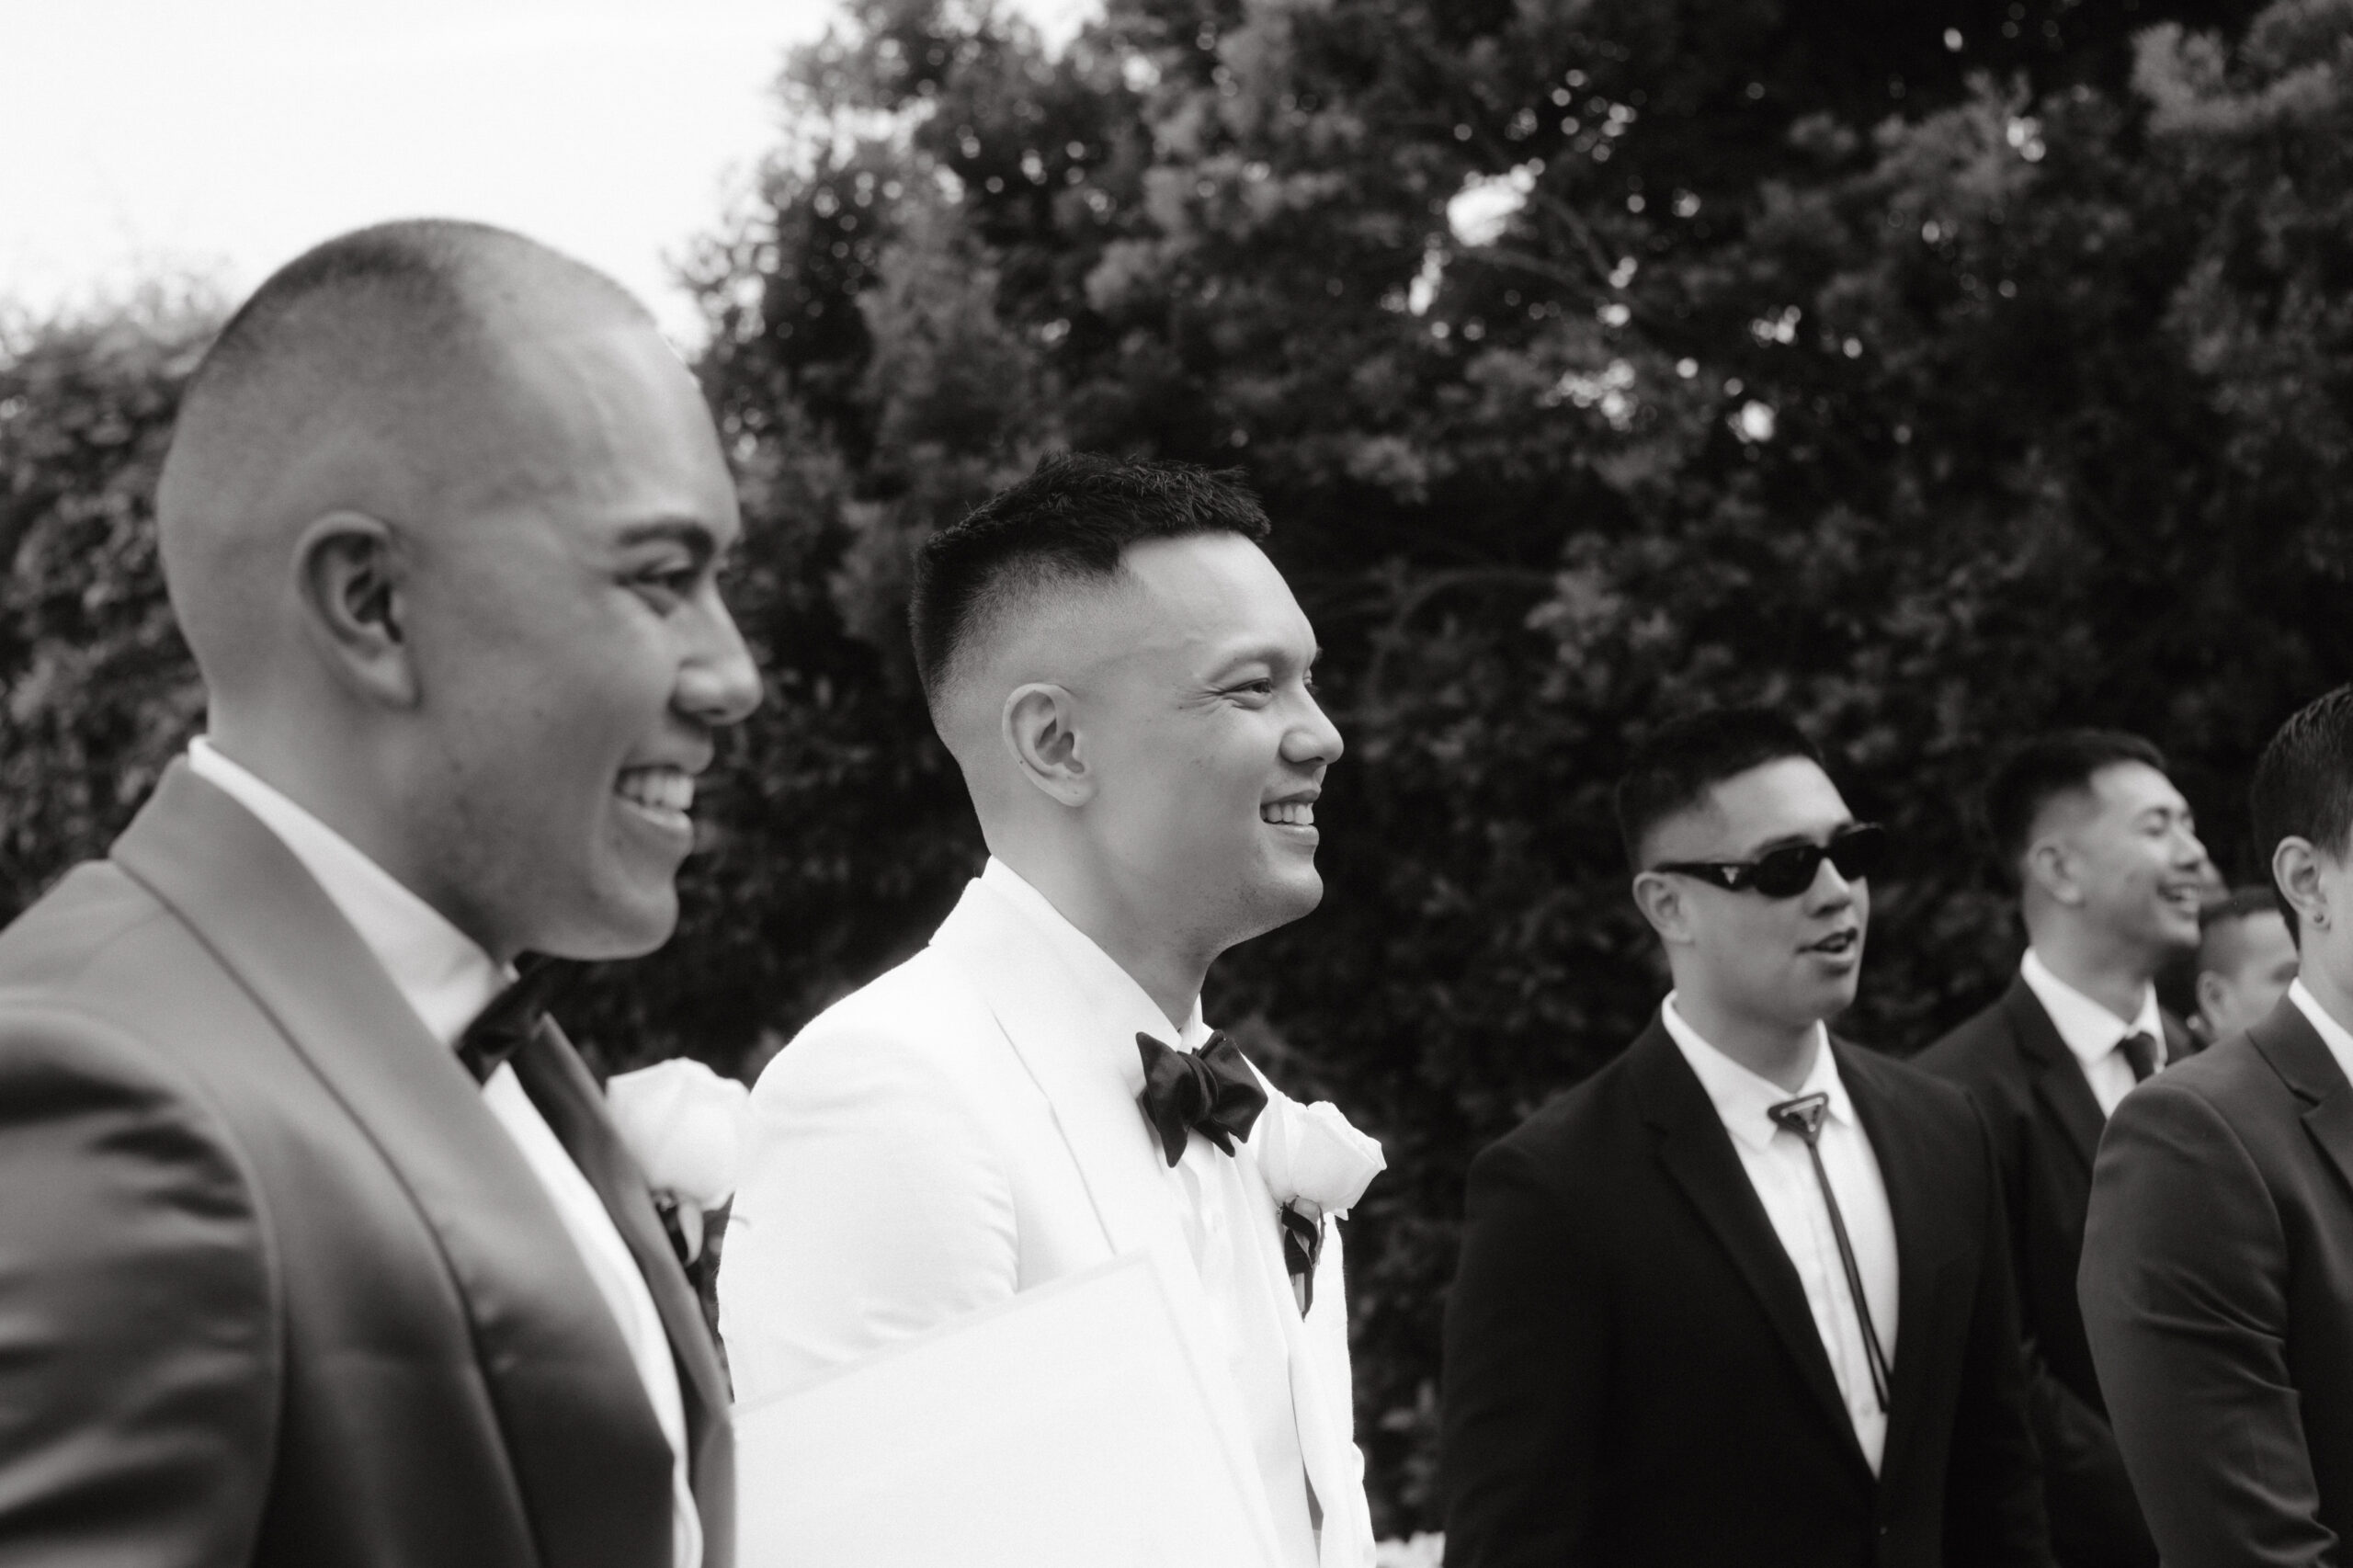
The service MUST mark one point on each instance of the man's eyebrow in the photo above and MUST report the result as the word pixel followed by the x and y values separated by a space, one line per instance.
pixel 1258 653
pixel 694 535
pixel 1786 840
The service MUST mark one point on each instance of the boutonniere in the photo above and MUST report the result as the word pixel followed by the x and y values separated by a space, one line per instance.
pixel 685 1126
pixel 1317 1166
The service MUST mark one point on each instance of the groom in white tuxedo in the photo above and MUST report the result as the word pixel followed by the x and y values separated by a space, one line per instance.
pixel 1123 677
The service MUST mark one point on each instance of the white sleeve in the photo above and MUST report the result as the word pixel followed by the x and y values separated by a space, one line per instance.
pixel 873 1206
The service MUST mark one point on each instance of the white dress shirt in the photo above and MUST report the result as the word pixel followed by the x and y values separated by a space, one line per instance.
pixel 1782 1172
pixel 1214 1207
pixel 2333 1034
pixel 448 979
pixel 2095 1037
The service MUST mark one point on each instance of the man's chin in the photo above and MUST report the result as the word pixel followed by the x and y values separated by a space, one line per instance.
pixel 610 929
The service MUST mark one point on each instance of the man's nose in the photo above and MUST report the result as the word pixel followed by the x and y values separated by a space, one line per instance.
pixel 1314 739
pixel 718 684
pixel 1831 890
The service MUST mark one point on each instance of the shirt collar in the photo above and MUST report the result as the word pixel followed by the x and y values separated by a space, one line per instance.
pixel 2333 1034
pixel 441 973
pixel 1745 1099
pixel 2091 1031
pixel 1106 990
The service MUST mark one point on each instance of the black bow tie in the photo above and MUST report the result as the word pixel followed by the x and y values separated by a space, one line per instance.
pixel 513 1016
pixel 1210 1091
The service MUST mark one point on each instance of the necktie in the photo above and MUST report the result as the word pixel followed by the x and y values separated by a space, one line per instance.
pixel 2141 1051
pixel 1803 1115
pixel 512 1018
pixel 1210 1091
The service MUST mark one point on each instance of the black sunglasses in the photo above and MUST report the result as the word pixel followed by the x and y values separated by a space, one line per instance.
pixel 1856 851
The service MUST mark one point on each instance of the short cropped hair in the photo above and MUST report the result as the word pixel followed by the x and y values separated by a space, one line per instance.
pixel 2039 772
pixel 1684 758
pixel 2303 782
pixel 1069 522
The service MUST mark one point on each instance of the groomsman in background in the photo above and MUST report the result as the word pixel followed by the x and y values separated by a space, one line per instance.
pixel 317 1243
pixel 2108 865
pixel 2218 1255
pixel 2245 962
pixel 1744 1295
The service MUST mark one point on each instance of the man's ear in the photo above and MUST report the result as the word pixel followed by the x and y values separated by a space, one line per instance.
pixel 1040 728
pixel 2296 867
pixel 2050 866
pixel 1662 900
pixel 347 578
pixel 2211 987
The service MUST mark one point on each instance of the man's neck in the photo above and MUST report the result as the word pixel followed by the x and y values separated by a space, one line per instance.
pixel 297 775
pixel 1780 1054
pixel 2333 998
pixel 1134 938
pixel 2116 975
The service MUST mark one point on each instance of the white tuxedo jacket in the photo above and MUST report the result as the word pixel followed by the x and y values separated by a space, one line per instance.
pixel 959 1131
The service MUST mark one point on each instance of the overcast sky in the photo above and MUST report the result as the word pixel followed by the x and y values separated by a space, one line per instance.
pixel 173 138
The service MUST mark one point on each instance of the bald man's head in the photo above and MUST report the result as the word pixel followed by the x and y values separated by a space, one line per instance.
pixel 441 520
pixel 368 373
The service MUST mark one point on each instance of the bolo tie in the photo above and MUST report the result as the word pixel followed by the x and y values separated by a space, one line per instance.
pixel 1803 1115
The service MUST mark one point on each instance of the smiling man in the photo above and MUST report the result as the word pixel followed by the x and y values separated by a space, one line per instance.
pixel 2110 876
pixel 318 1246
pixel 1742 1295
pixel 1123 677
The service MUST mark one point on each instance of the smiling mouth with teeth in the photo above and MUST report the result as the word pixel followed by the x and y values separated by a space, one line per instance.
pixel 664 792
pixel 1288 813
pixel 1836 942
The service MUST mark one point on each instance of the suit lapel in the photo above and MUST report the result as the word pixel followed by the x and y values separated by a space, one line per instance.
pixel 1925 1247
pixel 1073 1056
pixel 559 1084
pixel 2295 1050
pixel 1697 1152
pixel 2059 1078
pixel 590 1459
pixel 1324 1414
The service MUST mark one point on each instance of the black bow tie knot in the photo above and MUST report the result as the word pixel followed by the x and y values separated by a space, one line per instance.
pixel 1210 1091
pixel 513 1016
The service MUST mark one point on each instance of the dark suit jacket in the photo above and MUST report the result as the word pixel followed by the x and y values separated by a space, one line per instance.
pixel 2218 1290
pixel 2045 1125
pixel 275 1287
pixel 1633 1377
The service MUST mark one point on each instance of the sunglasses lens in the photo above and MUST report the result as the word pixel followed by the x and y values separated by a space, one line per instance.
pixel 1860 852
pixel 1788 871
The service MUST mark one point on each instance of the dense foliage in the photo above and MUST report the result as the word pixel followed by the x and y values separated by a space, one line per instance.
pixel 1939 372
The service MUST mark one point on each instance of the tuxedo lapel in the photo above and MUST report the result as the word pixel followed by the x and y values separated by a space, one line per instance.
pixel 588 1458
pixel 1926 1246
pixel 1323 1407
pixel 559 1084
pixel 1070 1054
pixel 2059 1081
pixel 1697 1152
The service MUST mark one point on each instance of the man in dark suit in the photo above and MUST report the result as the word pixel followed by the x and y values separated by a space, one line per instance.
pixel 317 1247
pixel 2109 873
pixel 1742 1295
pixel 2217 1280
